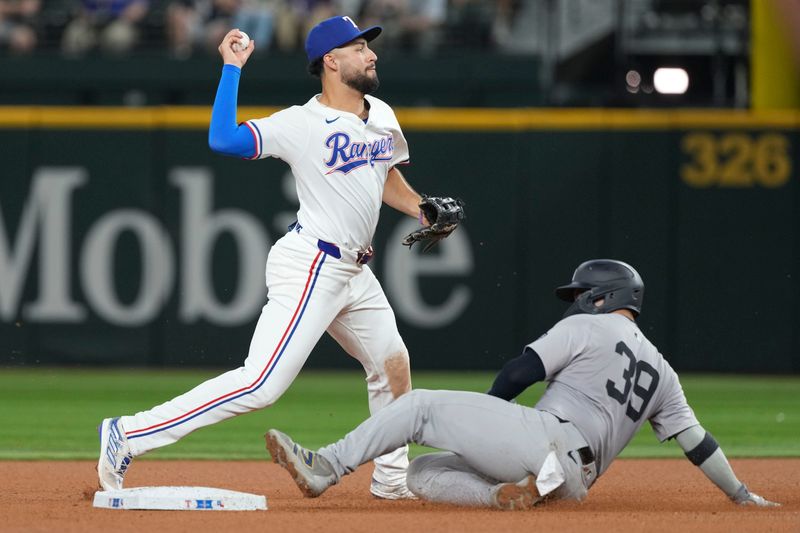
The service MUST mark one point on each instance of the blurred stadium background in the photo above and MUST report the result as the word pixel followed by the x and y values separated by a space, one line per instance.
pixel 124 241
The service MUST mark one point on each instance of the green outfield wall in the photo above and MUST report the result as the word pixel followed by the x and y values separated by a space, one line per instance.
pixel 124 240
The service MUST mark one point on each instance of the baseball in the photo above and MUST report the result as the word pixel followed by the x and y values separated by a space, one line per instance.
pixel 243 43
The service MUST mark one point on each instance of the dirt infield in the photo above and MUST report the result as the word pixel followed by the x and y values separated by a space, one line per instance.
pixel 634 495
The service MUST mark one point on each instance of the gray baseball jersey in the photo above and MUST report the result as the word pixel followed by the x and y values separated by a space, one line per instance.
pixel 608 379
pixel 605 378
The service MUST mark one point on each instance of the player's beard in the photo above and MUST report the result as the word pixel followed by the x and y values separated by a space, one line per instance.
pixel 362 82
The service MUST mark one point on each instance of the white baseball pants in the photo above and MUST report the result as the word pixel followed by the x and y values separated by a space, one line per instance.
pixel 310 292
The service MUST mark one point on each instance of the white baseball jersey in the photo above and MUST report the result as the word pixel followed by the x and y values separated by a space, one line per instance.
pixel 608 379
pixel 340 164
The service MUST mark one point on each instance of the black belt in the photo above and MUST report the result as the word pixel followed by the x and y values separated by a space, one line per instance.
pixel 586 454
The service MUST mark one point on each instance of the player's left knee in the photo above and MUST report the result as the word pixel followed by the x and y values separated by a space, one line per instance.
pixel 414 481
pixel 398 372
pixel 417 475
pixel 424 469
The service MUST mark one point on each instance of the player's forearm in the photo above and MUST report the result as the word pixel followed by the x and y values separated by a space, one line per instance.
pixel 225 136
pixel 704 452
pixel 397 193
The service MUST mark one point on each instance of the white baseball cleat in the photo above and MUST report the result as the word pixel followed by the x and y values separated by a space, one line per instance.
pixel 115 454
pixel 391 492
pixel 312 472
pixel 517 496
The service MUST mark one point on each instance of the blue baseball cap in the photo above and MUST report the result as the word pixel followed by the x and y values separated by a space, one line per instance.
pixel 334 32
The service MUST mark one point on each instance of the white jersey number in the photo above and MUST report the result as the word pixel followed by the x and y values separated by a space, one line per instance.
pixel 632 377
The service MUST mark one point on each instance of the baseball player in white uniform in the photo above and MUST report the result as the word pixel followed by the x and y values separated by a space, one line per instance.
pixel 343 147
pixel 605 379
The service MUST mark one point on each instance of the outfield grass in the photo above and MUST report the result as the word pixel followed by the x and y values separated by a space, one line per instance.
pixel 52 413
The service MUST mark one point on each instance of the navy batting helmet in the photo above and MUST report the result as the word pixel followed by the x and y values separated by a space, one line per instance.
pixel 617 284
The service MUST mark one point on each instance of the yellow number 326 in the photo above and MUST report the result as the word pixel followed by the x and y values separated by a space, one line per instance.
pixel 736 160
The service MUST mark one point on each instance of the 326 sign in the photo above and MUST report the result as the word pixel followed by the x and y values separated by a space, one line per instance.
pixel 736 159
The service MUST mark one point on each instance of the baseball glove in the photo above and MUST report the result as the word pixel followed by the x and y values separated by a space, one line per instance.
pixel 443 215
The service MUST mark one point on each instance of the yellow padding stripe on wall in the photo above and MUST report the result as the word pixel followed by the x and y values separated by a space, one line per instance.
pixel 423 119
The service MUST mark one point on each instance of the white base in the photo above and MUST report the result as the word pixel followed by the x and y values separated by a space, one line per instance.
pixel 180 499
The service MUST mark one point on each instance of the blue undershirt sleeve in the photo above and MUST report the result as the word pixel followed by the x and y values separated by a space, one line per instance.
pixel 224 135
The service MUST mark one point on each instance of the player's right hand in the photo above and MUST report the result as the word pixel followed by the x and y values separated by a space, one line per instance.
pixel 745 497
pixel 231 57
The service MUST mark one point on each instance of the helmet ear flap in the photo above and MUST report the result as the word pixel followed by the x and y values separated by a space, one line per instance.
pixel 584 303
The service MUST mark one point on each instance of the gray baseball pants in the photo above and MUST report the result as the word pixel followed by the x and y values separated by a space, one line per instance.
pixel 490 441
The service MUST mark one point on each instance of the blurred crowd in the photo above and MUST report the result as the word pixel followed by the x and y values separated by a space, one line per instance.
pixel 187 27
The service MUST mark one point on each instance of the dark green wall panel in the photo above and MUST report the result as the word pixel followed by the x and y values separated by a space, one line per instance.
pixel 720 262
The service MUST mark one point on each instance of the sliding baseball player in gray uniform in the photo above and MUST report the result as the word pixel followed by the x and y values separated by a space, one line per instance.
pixel 605 379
